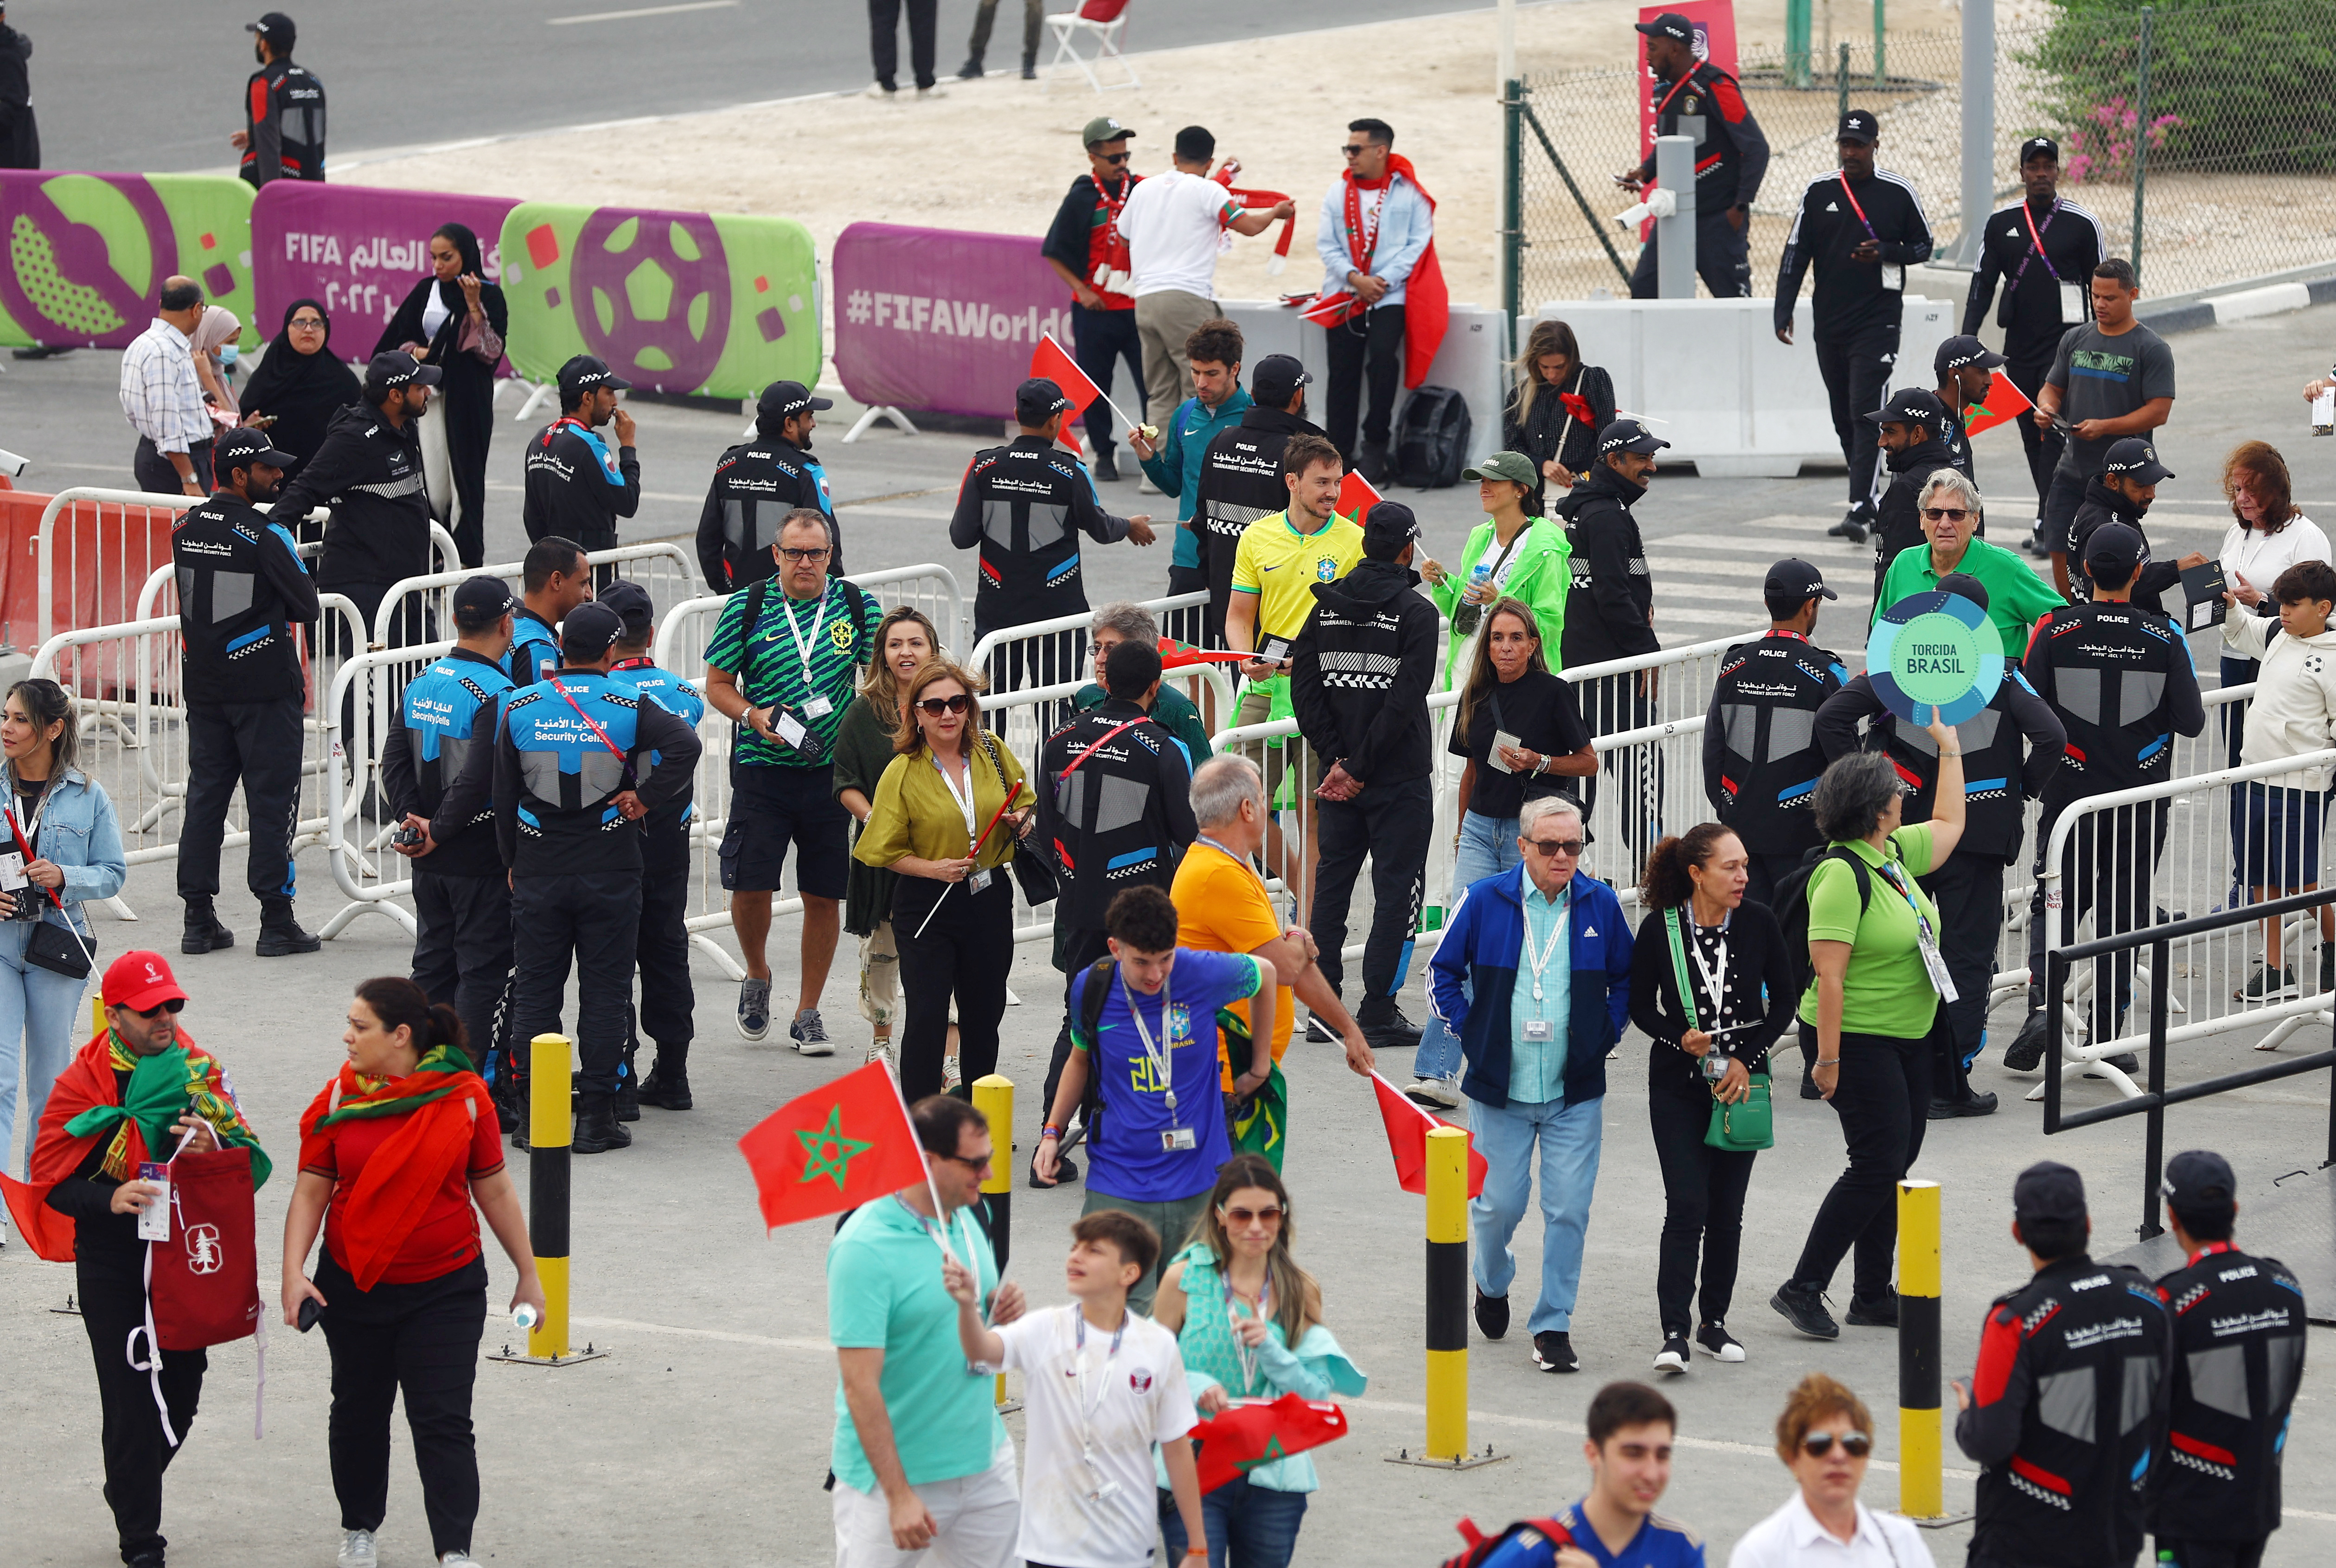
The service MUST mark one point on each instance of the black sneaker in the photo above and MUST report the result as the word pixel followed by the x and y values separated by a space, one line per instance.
pixel 2126 1063
pixel 1385 1027
pixel 970 71
pixel 1492 1315
pixel 1672 1358
pixel 1803 1308
pixel 1553 1351
pixel 1106 467
pixel 1719 1343
pixel 1372 462
pixel 1977 1104
pixel 2267 987
pixel 1852 527
pixel 2026 1052
pixel 1882 1312
pixel 1318 1033
pixel 2327 969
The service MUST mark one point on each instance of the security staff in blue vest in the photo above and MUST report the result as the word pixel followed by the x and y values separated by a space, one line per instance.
pixel 580 760
pixel 241 589
pixel 667 1011
pixel 554 579
pixel 439 781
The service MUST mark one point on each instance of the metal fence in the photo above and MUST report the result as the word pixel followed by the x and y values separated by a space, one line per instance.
pixel 2204 138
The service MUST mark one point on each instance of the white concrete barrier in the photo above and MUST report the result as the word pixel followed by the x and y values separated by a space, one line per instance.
pixel 1472 361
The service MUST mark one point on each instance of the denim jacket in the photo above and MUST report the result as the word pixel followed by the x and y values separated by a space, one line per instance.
pixel 81 836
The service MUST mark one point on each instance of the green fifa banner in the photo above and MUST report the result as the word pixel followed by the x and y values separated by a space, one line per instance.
pixel 715 304
pixel 88 253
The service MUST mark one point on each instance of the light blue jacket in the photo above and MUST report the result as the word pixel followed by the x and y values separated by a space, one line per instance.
pixel 1405 226
pixel 81 836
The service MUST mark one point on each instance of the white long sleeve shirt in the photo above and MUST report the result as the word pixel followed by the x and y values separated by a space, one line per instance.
pixel 2295 706
pixel 159 394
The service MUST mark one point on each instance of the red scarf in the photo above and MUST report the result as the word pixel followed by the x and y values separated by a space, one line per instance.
pixel 396 1186
pixel 1427 301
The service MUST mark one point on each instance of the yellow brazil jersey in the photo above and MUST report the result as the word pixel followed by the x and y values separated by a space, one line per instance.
pixel 1281 566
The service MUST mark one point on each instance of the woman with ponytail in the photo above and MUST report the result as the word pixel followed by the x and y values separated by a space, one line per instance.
pixel 1710 986
pixel 394 1154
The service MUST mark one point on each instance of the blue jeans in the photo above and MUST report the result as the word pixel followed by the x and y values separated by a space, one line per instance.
pixel 1568 1136
pixel 1488 846
pixel 1248 1525
pixel 38 1009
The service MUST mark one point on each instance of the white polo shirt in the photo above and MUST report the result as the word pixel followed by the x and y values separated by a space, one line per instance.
pixel 1172 223
pixel 1791 1537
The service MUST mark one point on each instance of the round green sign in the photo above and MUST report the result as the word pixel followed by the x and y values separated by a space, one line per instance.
pixel 1935 658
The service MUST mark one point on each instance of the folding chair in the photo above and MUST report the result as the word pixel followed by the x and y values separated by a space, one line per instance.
pixel 1106 21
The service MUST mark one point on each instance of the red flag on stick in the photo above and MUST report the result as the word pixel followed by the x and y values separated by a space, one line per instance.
pixel 2004 402
pixel 1253 1433
pixel 1053 361
pixel 841 1145
pixel 1357 496
pixel 1408 1127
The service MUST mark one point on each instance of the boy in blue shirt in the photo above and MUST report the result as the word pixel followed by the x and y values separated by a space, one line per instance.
pixel 1629 1449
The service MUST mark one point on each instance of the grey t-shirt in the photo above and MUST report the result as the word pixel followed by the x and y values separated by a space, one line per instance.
pixel 2104 377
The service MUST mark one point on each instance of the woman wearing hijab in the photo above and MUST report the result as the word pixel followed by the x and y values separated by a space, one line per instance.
pixel 213 347
pixel 300 383
pixel 455 319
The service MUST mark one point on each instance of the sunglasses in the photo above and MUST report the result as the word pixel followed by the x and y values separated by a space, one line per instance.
pixel 977 1164
pixel 1951 514
pixel 1112 157
pixel 1555 846
pixel 1817 1444
pixel 937 705
pixel 820 554
pixel 175 1005
pixel 1357 149
pixel 1269 1215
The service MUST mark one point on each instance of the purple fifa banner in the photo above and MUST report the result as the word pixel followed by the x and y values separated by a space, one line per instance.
pixel 940 320
pixel 358 248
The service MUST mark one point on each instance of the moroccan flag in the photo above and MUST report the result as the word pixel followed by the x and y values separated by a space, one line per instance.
pixel 844 1145
pixel 1357 495
pixel 1251 1433
pixel 1053 361
pixel 1408 1127
pixel 2003 403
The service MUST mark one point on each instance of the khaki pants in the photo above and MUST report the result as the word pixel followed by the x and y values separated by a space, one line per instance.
pixel 1163 322
pixel 880 977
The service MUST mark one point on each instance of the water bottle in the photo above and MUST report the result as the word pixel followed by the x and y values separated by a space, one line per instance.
pixel 1466 616
pixel 523 1317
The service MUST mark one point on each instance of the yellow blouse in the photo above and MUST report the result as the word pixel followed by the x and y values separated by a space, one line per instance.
pixel 916 813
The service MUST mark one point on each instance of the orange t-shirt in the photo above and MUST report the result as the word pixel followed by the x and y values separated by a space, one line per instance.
pixel 1221 908
pixel 447 1235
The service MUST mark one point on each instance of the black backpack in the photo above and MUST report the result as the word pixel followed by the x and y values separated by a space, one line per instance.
pixel 1431 443
pixel 1792 907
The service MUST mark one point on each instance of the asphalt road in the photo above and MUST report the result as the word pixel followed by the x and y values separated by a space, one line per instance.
pixel 114 90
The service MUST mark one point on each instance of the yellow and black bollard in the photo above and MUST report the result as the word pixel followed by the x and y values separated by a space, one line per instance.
pixel 551 1130
pixel 1921 1492
pixel 1448 1310
pixel 993 1096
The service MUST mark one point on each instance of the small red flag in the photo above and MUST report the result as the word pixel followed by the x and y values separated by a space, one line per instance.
pixel 1356 496
pixel 1408 1127
pixel 1053 361
pixel 1251 1433
pixel 845 1144
pixel 2003 403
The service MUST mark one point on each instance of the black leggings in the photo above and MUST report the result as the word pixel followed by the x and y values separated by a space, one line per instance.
pixel 1882 1096
pixel 965 952
pixel 1703 1205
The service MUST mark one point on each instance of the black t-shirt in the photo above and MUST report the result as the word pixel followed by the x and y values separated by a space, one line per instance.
pixel 1539 709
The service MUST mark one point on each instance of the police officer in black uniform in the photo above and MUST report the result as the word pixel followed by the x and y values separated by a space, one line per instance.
pixel 2238 1324
pixel 2121 681
pixel 437 774
pixel 1695 98
pixel 1025 503
pixel 1240 477
pixel 576 485
pixel 1861 227
pixel 1609 609
pixel 1999 782
pixel 1910 430
pixel 242 587
pixel 2069 1395
pixel 580 759
pixel 2122 494
pixel 757 483
pixel 1761 761
pixel 283 134
pixel 2042 249
pixel 555 578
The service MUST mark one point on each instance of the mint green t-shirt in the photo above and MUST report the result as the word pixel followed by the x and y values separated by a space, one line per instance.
pixel 1887 991
pixel 884 1292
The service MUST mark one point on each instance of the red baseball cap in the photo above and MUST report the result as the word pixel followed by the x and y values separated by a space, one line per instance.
pixel 140 982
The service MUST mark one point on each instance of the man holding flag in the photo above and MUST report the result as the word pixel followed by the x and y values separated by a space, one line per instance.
pixel 1376 238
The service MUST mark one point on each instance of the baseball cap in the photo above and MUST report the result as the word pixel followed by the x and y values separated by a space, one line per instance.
pixel 2199 1179
pixel 276 27
pixel 1963 585
pixel 483 598
pixel 585 372
pixel 242 448
pixel 786 399
pixel 1911 406
pixel 1796 579
pixel 2039 147
pixel 589 630
pixel 1103 128
pixel 2112 550
pixel 1628 435
pixel 2048 1189
pixel 1036 400
pixel 633 606
pixel 1514 467
pixel 1957 352
pixel 1670 24
pixel 140 982
pixel 394 368
pixel 2135 459
pixel 1391 527
pixel 1272 380
pixel 1859 125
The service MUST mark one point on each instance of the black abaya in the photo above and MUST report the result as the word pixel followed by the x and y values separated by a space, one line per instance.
pixel 468 388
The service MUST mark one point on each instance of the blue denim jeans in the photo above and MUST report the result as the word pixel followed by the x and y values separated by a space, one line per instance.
pixel 1248 1526
pixel 1568 1136
pixel 38 1013
pixel 1488 846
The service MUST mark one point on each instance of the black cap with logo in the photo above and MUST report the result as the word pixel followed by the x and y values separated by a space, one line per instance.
pixel 1796 581
pixel 2039 147
pixel 633 606
pixel 1912 405
pixel 2199 1179
pixel 1037 401
pixel 2112 552
pixel 392 368
pixel 1670 24
pixel 2048 1190
pixel 482 600
pixel 276 28
pixel 2137 460
pixel 1391 527
pixel 586 373
pixel 1859 125
pixel 1629 435
pixel 1957 352
pixel 242 448
pixel 786 399
pixel 1274 379
pixel 588 630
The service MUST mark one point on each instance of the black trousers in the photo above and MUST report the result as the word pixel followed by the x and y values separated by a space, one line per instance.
pixel 1722 258
pixel 260 745
pixel 462 948
pixel 1189 626
pixel 155 474
pixel 421 1341
pixel 2026 372
pixel 136 1453
pixel 1368 350
pixel 1703 1208
pixel 668 1008
pixel 1610 704
pixel 1969 891
pixel 1391 824
pixel 593 916
pixel 1857 369
pixel 1077 948
pixel 2104 870
pixel 985 17
pixel 1762 875
pixel 1883 1100
pixel 1100 339
pixel 965 952
pixel 1049 659
pixel 884 39
pixel 405 631
pixel 469 399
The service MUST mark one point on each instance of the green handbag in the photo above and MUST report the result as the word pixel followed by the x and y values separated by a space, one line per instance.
pixel 1749 1125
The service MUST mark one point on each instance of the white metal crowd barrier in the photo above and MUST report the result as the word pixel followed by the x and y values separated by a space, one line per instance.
pixel 160 594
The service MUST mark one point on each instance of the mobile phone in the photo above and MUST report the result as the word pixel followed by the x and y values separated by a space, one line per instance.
pixel 310 1311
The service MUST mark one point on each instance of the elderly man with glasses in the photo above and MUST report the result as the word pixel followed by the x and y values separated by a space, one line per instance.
pixel 1953 512
pixel 1545 953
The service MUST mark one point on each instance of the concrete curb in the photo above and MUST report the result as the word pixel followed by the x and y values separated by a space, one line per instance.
pixel 2243 305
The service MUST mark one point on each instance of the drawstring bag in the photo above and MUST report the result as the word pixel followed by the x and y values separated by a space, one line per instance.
pixel 202 1284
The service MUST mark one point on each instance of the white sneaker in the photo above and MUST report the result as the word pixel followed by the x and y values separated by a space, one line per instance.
pixel 357 1549
pixel 458 1560
pixel 879 91
pixel 934 92
pixel 951 1076
pixel 1439 1093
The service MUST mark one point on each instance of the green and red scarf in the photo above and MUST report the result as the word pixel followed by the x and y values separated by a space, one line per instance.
pixel 442 1100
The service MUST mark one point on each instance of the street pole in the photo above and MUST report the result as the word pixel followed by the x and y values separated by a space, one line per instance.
pixel 2141 136
pixel 1675 236
pixel 1979 128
